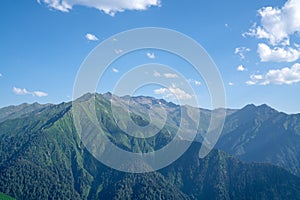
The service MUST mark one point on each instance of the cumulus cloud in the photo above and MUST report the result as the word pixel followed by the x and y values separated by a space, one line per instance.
pixel 20 91
pixel 241 68
pixel 170 75
pixel 115 70
pixel 91 37
pixel 277 76
pixel 283 76
pixel 110 7
pixel 277 24
pixel 173 92
pixel 277 54
pixel 241 51
pixel 150 55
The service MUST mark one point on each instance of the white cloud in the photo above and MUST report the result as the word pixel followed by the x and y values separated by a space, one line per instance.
pixel 57 4
pixel 173 92
pixel 118 51
pixel 195 82
pixel 283 76
pixel 1 75
pixel 278 76
pixel 91 37
pixel 277 54
pixel 115 70
pixel 170 75
pixel 150 55
pixel 110 7
pixel 250 82
pixel 231 84
pixel 156 74
pixel 278 24
pixel 255 78
pixel 39 94
pixel 241 68
pixel 161 91
pixel 241 51
pixel 20 91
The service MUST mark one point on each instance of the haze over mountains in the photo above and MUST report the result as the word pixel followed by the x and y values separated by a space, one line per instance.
pixel 42 156
pixel 262 134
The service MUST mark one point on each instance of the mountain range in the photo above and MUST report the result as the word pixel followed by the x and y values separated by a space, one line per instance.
pixel 42 156
pixel 262 134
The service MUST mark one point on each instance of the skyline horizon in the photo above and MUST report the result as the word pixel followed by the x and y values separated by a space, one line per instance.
pixel 147 96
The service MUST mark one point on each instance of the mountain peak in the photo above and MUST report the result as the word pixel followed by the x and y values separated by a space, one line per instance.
pixel 249 107
pixel 264 107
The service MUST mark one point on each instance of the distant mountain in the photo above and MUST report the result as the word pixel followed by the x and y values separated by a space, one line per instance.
pixel 262 134
pixel 12 112
pixel 42 157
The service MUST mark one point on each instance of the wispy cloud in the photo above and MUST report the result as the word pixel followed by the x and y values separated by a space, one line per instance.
pixel 241 51
pixel 91 37
pixel 156 74
pixel 118 51
pixel 110 7
pixel 39 94
pixel 251 82
pixel 241 68
pixel 1 75
pixel 115 70
pixel 254 79
pixel 277 76
pixel 20 91
pixel 195 82
pixel 173 92
pixel 231 84
pixel 170 75
pixel 151 55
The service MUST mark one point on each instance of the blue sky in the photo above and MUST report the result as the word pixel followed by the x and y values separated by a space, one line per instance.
pixel 255 45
